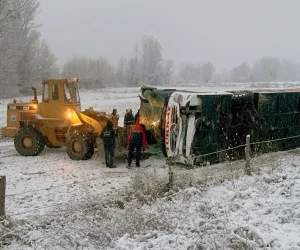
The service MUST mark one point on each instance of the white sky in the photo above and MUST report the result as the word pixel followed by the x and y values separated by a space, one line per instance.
pixel 224 32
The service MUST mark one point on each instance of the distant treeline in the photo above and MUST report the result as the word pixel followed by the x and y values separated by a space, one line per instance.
pixel 26 60
pixel 145 68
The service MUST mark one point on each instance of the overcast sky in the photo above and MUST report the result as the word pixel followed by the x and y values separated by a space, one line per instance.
pixel 225 32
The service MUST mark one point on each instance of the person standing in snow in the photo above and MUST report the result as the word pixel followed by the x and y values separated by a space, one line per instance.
pixel 136 141
pixel 128 118
pixel 108 134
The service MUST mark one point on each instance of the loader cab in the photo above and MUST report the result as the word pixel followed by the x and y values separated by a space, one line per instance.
pixel 71 94
pixel 59 95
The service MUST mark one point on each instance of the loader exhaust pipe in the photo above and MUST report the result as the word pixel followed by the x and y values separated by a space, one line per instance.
pixel 35 100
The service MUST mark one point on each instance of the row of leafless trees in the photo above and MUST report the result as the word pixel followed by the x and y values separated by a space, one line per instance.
pixel 196 73
pixel 25 58
pixel 146 66
pixel 266 69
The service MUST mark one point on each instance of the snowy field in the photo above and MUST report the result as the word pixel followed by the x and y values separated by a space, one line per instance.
pixel 53 202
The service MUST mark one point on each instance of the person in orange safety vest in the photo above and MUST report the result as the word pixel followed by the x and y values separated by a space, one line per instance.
pixel 136 141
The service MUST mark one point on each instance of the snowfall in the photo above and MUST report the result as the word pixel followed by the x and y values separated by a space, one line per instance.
pixel 53 202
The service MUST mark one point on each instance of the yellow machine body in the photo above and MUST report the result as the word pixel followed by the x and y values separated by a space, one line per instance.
pixel 55 120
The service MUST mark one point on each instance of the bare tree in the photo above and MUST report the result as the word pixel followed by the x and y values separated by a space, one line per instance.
pixel 195 73
pixel 288 71
pixel 25 59
pixel 151 61
pixel 93 73
pixel 266 69
pixel 168 71
pixel 147 66
pixel 133 72
pixel 121 71
pixel 36 60
pixel 240 73
pixel 207 71
pixel 186 73
pixel 221 77
pixel 11 9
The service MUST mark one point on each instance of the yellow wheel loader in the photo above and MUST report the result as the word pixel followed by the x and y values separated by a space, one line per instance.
pixel 56 121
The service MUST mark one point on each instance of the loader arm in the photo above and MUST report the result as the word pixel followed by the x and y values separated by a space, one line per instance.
pixel 97 128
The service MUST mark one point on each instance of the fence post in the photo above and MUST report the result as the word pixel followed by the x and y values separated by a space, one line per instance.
pixel 2 195
pixel 169 163
pixel 247 155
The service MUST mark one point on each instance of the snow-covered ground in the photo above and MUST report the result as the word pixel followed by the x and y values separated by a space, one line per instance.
pixel 53 202
pixel 53 168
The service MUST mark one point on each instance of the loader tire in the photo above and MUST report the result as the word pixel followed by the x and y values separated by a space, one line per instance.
pixel 90 152
pixel 29 141
pixel 91 147
pixel 79 147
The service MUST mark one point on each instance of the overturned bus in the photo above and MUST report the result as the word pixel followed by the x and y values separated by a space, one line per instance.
pixel 196 127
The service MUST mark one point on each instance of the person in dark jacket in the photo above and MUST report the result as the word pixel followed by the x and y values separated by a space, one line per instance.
pixel 108 134
pixel 136 141
pixel 128 118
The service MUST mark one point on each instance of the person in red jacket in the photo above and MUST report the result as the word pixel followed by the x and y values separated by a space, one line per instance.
pixel 136 141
